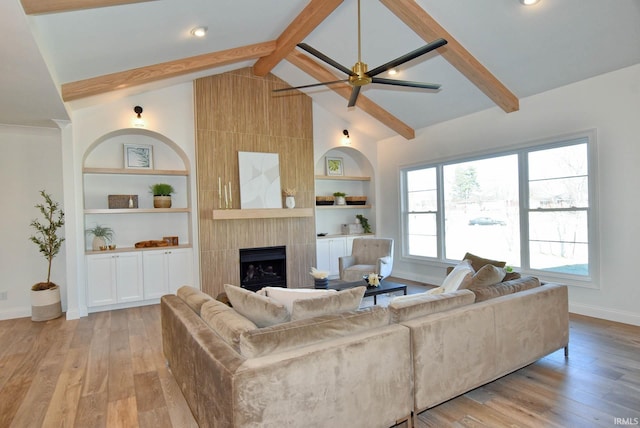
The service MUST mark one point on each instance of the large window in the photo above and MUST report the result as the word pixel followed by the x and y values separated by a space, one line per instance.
pixel 530 207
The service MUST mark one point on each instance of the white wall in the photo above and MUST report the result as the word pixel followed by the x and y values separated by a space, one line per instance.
pixel 610 104
pixel 31 161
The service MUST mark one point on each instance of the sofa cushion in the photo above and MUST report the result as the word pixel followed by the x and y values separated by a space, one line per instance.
pixel 403 308
pixel 487 275
pixel 458 277
pixel 287 296
pixel 345 300
pixel 193 297
pixel 506 287
pixel 295 334
pixel 225 321
pixel 477 262
pixel 261 310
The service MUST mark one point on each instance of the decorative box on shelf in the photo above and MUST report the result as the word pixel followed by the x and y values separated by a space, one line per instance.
pixel 356 200
pixel 352 229
pixel 123 201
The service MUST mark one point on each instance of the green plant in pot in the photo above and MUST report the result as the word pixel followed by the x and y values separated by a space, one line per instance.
pixel 45 296
pixel 161 195
pixel 366 227
pixel 101 236
pixel 340 198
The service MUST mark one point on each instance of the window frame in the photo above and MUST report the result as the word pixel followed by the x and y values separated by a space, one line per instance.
pixel 591 280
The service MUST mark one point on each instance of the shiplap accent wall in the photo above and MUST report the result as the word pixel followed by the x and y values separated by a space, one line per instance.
pixel 237 111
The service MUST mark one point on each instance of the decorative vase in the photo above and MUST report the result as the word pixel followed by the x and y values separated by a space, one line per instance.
pixel 98 243
pixel 162 201
pixel 340 200
pixel 45 304
pixel 321 282
pixel 290 201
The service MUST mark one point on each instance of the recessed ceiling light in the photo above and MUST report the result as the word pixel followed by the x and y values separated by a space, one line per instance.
pixel 393 71
pixel 199 31
pixel 529 2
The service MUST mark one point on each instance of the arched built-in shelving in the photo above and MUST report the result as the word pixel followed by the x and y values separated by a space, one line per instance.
pixel 127 275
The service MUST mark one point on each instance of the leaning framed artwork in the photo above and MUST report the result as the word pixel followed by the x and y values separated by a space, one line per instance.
pixel 335 166
pixel 138 156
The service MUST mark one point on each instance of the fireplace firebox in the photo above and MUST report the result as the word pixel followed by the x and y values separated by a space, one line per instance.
pixel 262 267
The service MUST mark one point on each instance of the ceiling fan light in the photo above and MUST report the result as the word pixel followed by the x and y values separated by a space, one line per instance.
pixel 529 2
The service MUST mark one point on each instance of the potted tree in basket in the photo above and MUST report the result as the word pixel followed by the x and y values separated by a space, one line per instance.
pixel 161 195
pixel 101 235
pixel 45 296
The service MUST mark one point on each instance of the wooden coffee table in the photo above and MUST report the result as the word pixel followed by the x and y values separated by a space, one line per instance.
pixel 383 288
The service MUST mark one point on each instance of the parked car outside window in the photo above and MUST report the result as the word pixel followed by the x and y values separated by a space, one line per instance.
pixel 486 221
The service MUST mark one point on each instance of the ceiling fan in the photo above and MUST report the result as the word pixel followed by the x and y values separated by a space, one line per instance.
pixel 358 74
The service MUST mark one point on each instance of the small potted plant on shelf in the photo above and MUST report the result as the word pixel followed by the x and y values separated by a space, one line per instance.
pixel 364 222
pixel 340 198
pixel 45 296
pixel 161 195
pixel 101 236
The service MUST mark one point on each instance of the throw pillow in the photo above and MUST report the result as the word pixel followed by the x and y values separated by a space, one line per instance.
pixel 461 273
pixel 478 262
pixel 287 296
pixel 511 276
pixel 341 301
pixel 487 275
pixel 261 310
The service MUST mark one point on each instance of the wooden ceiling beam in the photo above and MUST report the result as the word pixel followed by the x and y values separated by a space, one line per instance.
pixel 426 27
pixel 312 15
pixel 138 76
pixel 322 74
pixel 35 7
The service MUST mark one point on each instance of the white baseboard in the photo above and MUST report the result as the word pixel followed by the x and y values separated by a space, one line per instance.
pixel 73 314
pixel 606 314
pixel 12 313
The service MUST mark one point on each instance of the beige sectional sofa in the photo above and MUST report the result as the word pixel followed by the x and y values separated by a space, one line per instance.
pixel 364 368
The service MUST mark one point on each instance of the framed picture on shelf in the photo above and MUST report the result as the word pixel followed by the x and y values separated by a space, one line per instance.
pixel 138 156
pixel 335 166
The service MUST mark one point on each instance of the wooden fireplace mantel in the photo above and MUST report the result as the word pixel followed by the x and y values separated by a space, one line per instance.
pixel 247 214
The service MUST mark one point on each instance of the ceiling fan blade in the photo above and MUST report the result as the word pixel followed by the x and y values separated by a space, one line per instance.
pixel 325 58
pixel 354 96
pixel 405 83
pixel 407 57
pixel 310 86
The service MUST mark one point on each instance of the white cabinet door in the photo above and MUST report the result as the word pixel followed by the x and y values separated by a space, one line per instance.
pixel 114 278
pixel 323 257
pixel 165 271
pixel 337 249
pixel 155 270
pixel 180 269
pixel 129 277
pixel 101 280
pixel 328 250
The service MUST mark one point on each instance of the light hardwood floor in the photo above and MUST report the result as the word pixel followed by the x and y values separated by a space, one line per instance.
pixel 108 370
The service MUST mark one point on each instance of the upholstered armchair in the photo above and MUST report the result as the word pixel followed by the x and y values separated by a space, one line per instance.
pixel 373 255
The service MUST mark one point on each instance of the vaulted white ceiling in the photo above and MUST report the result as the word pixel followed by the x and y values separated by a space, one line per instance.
pixel 529 49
